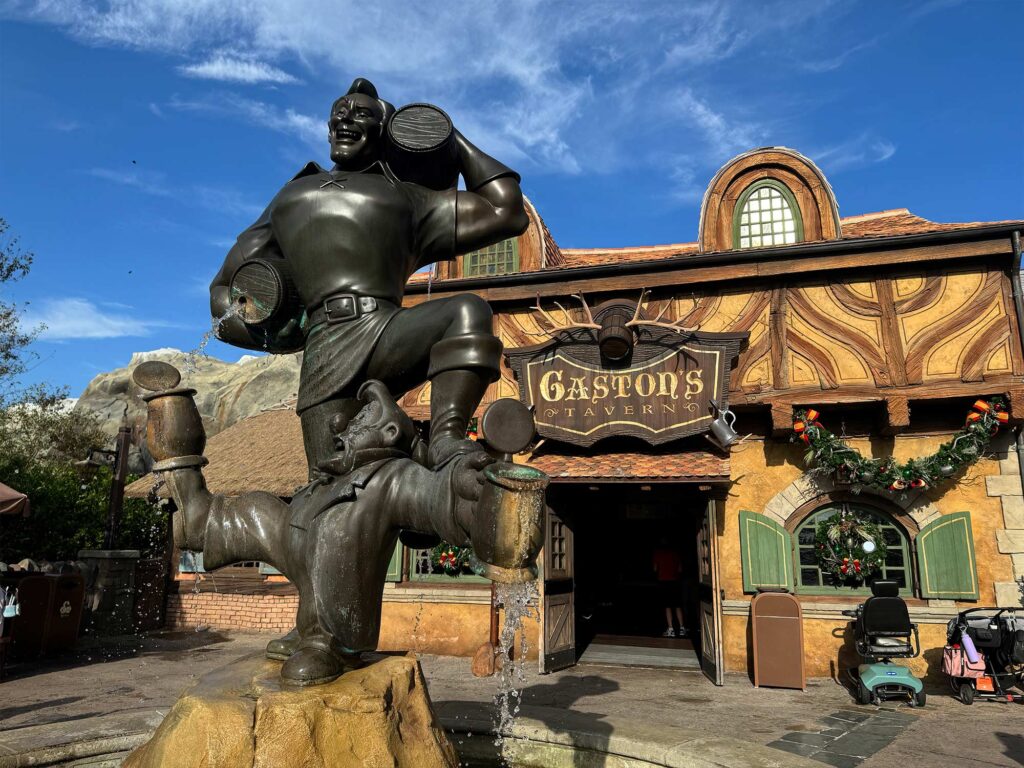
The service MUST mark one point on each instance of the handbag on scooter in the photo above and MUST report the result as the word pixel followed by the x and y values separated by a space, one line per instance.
pixel 956 664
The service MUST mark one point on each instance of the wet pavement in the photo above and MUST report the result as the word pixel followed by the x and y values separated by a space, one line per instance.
pixel 111 696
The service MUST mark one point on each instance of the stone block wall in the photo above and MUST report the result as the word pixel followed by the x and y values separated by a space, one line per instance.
pixel 1006 486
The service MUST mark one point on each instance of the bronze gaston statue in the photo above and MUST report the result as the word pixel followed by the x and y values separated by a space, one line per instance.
pixel 323 270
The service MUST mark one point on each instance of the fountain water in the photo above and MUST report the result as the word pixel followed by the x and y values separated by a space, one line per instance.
pixel 520 602
pixel 192 356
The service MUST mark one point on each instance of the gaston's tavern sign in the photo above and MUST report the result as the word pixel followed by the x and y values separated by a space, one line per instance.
pixel 658 385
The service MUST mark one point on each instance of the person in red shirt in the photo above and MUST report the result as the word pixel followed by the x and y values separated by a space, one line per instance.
pixel 668 569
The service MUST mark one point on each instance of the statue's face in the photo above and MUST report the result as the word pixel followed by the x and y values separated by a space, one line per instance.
pixel 370 428
pixel 354 131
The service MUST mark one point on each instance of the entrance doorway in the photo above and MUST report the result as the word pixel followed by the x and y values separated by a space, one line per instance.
pixel 602 591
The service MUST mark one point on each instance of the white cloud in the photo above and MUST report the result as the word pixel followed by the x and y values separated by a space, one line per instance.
pixel 219 199
pixel 76 318
pixel 862 150
pixel 309 129
pixel 236 70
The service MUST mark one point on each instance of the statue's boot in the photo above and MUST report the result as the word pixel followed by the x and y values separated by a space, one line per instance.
pixel 316 665
pixel 194 502
pixel 282 648
pixel 454 396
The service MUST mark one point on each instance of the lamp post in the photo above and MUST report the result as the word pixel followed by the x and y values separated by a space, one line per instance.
pixel 120 466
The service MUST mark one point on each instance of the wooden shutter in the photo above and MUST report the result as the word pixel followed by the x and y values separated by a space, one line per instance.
pixel 766 552
pixel 395 566
pixel 945 558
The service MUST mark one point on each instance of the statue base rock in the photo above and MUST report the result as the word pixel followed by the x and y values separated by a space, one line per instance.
pixel 242 716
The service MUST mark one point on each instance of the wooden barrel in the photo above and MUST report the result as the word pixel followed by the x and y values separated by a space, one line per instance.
pixel 421 148
pixel 264 290
pixel 615 340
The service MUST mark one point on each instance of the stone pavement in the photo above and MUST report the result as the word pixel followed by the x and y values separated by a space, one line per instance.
pixel 106 700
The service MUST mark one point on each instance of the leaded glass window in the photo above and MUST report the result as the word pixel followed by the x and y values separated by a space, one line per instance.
pixel 498 259
pixel 767 214
pixel 811 579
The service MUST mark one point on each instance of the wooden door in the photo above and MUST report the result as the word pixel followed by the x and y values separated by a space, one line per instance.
pixel 710 596
pixel 559 617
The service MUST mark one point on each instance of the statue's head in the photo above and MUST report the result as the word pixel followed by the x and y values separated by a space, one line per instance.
pixel 356 126
pixel 379 429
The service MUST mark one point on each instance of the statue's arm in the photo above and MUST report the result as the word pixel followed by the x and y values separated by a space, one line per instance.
pixel 257 240
pixel 491 209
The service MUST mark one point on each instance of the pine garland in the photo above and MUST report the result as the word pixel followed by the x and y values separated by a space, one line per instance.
pixel 841 546
pixel 450 559
pixel 828 454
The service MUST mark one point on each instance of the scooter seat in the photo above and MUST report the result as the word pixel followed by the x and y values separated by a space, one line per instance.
pixel 889 645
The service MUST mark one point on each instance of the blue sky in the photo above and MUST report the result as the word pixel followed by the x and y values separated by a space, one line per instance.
pixel 138 138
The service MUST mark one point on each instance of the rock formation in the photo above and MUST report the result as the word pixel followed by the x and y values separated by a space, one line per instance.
pixel 241 717
pixel 226 392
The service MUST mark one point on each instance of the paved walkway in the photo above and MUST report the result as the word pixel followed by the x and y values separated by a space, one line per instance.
pixel 112 696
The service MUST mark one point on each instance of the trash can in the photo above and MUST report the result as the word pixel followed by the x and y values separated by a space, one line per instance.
pixel 778 634
pixel 50 614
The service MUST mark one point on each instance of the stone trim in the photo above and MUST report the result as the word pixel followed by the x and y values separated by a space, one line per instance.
pixel 920 614
pixel 1010 538
pixel 808 487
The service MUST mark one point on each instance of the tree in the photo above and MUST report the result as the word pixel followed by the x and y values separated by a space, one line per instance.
pixel 43 443
pixel 14 339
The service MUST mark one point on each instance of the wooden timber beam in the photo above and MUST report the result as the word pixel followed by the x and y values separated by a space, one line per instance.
pixel 782 419
pixel 897 415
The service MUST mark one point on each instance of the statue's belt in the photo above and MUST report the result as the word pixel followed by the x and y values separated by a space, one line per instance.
pixel 343 307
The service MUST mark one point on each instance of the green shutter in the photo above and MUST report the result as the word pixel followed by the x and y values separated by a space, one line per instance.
pixel 766 552
pixel 945 558
pixel 395 566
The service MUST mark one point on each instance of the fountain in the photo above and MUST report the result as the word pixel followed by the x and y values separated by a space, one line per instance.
pixel 287 285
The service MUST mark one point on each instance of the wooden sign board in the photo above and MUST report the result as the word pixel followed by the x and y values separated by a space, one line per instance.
pixel 661 393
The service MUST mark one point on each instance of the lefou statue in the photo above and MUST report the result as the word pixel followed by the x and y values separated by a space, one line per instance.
pixel 324 270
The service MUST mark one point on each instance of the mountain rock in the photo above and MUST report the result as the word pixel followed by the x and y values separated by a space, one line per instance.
pixel 225 392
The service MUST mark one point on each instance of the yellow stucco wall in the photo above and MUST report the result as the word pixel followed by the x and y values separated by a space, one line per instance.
pixel 450 629
pixel 763 469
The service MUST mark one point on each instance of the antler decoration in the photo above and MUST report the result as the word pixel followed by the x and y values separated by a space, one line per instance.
pixel 572 325
pixel 674 326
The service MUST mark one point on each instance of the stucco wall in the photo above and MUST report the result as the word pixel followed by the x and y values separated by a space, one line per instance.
pixel 769 478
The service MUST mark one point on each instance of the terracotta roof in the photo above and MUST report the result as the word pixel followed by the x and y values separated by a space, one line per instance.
pixel 900 221
pixel 581 257
pixel 890 223
pixel 684 467
pixel 261 453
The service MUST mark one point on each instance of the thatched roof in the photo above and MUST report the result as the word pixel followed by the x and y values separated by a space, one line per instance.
pixel 261 453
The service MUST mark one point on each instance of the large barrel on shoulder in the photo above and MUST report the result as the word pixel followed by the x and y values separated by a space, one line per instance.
pixel 421 147
pixel 263 291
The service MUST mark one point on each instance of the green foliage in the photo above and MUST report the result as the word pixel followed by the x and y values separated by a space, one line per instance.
pixel 69 513
pixel 450 559
pixel 839 546
pixel 828 454
pixel 14 340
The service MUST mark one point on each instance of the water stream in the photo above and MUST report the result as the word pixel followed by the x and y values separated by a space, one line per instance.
pixel 520 602
pixel 192 356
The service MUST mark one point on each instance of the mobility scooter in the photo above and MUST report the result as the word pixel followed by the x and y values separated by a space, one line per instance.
pixel 984 655
pixel 882 631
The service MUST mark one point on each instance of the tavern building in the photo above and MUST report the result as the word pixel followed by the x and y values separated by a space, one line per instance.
pixel 635 361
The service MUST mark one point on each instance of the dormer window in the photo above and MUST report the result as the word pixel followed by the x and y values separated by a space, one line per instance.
pixel 767 215
pixel 498 259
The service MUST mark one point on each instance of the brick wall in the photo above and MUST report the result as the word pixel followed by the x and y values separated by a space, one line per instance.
pixel 260 613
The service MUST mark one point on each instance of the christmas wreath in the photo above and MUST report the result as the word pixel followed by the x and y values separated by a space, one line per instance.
pixel 828 454
pixel 850 547
pixel 450 559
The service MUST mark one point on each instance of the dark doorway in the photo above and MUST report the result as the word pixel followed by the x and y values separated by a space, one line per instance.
pixel 619 601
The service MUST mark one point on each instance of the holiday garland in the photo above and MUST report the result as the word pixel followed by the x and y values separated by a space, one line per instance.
pixel 450 559
pixel 830 455
pixel 849 546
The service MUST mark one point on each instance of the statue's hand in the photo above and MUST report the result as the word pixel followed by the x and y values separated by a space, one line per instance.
pixel 468 476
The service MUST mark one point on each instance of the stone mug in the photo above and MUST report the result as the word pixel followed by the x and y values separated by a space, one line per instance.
pixel 507 530
pixel 174 428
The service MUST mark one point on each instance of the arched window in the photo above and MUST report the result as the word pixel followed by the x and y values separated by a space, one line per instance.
pixel 498 259
pixel 810 579
pixel 767 214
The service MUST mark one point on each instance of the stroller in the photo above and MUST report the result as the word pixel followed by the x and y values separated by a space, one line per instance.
pixel 882 631
pixel 994 637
